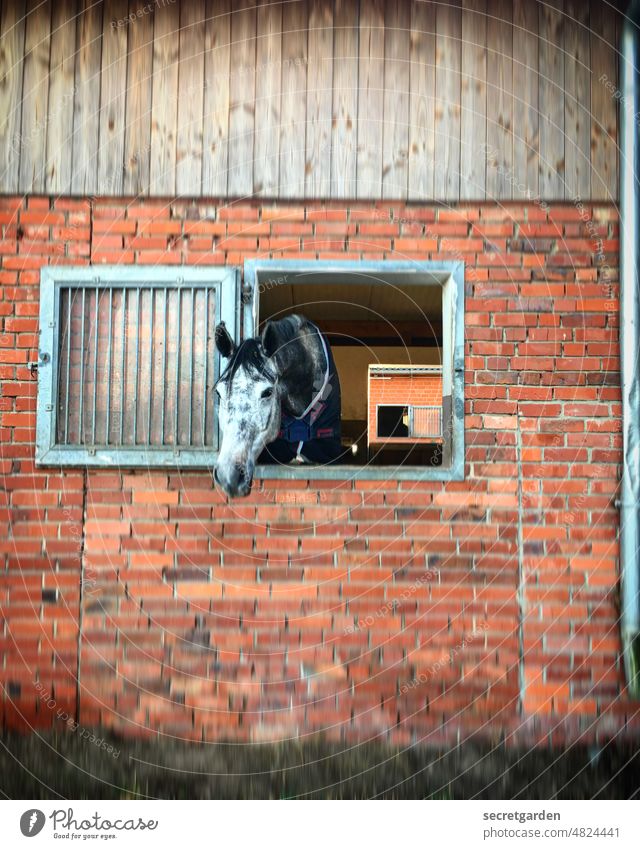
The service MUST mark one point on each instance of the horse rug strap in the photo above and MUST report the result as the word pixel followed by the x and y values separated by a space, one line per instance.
pixel 321 418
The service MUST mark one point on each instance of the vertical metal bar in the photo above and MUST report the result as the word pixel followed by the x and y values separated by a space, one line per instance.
pixel 164 362
pixel 108 419
pixel 151 293
pixel 135 369
pixel 67 404
pixel 122 360
pixel 95 367
pixel 191 323
pixel 206 364
pixel 177 389
pixel 81 393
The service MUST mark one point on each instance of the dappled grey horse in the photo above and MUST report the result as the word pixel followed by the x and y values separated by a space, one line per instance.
pixel 279 401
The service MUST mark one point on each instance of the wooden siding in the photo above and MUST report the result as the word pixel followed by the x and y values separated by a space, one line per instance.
pixel 471 100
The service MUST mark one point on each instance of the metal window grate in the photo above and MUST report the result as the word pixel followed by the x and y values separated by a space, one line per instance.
pixel 136 367
pixel 130 374
pixel 425 421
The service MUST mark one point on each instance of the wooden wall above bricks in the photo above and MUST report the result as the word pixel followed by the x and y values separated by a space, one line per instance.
pixel 468 100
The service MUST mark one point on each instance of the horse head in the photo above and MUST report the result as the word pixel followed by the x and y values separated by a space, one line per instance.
pixel 248 410
pixel 258 377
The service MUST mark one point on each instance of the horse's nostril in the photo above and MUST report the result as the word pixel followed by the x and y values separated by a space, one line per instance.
pixel 235 480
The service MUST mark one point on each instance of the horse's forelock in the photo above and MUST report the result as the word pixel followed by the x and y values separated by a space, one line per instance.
pixel 250 356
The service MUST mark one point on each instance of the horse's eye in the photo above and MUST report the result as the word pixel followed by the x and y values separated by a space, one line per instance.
pixel 267 393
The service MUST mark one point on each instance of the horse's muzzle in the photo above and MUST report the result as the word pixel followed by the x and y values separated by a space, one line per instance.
pixel 236 481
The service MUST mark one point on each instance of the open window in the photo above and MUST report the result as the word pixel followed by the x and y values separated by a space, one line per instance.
pixel 396 332
pixel 127 364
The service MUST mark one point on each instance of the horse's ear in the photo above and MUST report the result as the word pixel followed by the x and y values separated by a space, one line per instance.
pixel 278 338
pixel 270 339
pixel 224 342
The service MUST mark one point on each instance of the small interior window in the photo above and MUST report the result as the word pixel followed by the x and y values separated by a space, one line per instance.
pixel 392 422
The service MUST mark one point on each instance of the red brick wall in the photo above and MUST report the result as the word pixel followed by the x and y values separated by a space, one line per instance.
pixel 42 510
pixel 413 611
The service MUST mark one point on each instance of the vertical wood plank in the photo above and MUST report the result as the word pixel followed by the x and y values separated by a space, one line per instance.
pixel 604 84
pixel 422 85
pixel 371 98
pixel 215 152
pixel 164 108
pixel 12 32
pixel 190 99
pixel 551 82
pixel 242 99
pixel 86 105
pixel 345 99
pixel 500 96
pixel 447 109
pixel 319 89
pixel 577 107
pixel 113 98
pixel 137 141
pixel 61 94
pixel 526 136
pixel 268 90
pixel 294 99
pixel 473 114
pixel 35 97
pixel 395 143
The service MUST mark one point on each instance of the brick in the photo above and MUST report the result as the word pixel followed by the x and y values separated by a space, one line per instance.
pixel 282 213
pixel 154 497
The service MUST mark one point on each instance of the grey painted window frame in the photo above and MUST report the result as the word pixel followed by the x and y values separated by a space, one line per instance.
pixel 225 280
pixel 450 275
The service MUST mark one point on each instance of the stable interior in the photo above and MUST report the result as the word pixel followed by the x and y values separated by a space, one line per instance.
pixel 390 318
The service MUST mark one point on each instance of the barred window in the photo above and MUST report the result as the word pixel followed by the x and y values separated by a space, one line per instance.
pixel 127 364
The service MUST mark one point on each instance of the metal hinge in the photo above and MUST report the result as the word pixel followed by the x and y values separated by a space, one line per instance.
pixel 33 365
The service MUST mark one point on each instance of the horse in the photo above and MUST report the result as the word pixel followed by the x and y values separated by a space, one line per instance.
pixel 278 401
